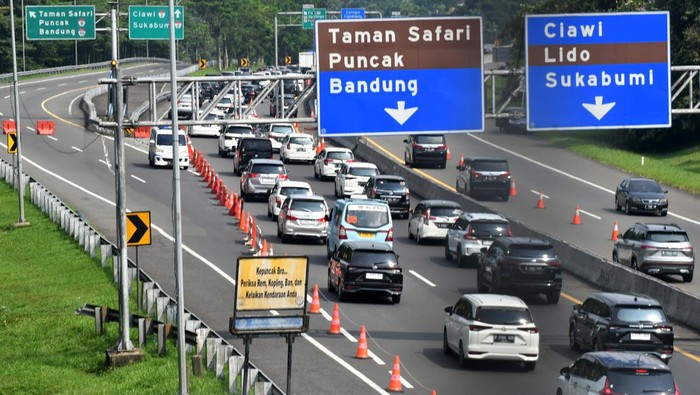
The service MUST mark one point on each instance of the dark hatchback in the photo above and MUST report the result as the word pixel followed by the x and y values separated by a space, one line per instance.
pixel 642 195
pixel 520 264
pixel 614 321
pixel 393 190
pixel 484 176
pixel 425 149
pixel 365 267
pixel 249 148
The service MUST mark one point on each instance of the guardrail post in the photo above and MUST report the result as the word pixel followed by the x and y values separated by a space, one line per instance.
pixel 163 330
pixel 235 364
pixel 171 313
pixel 191 325
pixel 202 335
pixel 262 387
pixel 161 304
pixel 143 330
pixel 213 343
pixel 252 374
pixel 105 252
pixel 115 266
pixel 150 300
pixel 81 234
pixel 222 355
pixel 99 324
pixel 145 286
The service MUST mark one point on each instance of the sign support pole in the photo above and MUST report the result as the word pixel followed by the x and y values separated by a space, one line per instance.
pixel 18 170
pixel 247 339
pixel 290 341
pixel 138 275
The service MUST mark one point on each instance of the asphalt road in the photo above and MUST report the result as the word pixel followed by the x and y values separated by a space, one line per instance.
pixel 76 166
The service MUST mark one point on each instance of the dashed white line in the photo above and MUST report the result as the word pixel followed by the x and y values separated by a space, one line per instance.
pixel 151 70
pixel 7 97
pixel 404 382
pixel 31 128
pixel 76 148
pixel 52 138
pixel 589 214
pixel 62 84
pixel 41 88
pixel 138 179
pixel 22 92
pixel 82 81
pixel 425 280
pixel 375 358
pixel 539 193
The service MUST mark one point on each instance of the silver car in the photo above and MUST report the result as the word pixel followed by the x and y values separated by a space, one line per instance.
pixel 260 175
pixel 472 232
pixel 656 249
pixel 303 216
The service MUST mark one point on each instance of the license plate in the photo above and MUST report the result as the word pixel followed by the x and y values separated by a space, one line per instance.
pixel 669 253
pixel 428 149
pixel 503 338
pixel 374 276
pixel 267 180
pixel 301 149
pixel 640 336
pixel 366 234
pixel 531 268
pixel 443 225
pixel 650 206
pixel 307 221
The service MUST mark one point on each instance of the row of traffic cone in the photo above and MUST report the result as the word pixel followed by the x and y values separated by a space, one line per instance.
pixel 577 217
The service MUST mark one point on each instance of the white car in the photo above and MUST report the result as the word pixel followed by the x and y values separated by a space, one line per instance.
pixel 277 132
pixel 160 148
pixel 298 147
pixel 281 190
pixel 493 327
pixel 352 177
pixel 329 160
pixel 226 103
pixel 228 139
pixel 207 130
pixel 185 104
pixel 470 233
pixel 430 219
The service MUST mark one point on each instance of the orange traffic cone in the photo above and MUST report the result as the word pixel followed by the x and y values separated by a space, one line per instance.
pixel 335 322
pixel 433 393
pixel 231 203
pixel 395 382
pixel 315 302
pixel 244 227
pixel 577 217
pixel 540 201
pixel 207 173
pixel 263 250
pixel 461 160
pixel 615 232
pixel 362 352
pixel 513 191
pixel 449 154
pixel 270 252
pixel 223 195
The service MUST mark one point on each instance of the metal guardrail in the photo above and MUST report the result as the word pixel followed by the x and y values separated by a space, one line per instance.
pixel 91 66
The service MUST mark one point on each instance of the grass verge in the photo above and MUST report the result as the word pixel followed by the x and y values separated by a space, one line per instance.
pixel 46 348
pixel 680 169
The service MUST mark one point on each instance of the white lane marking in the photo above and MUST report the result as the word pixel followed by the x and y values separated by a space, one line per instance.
pixel 151 70
pixel 82 81
pixel 1 114
pixel 589 214
pixel 138 179
pixel 538 193
pixel 52 138
pixel 62 84
pixel 70 105
pixel 76 148
pixel 22 92
pixel 7 97
pixel 31 128
pixel 425 280
pixel 375 358
pixel 41 88
pixel 403 381
pixel 348 335
pixel 573 177
pixel 105 162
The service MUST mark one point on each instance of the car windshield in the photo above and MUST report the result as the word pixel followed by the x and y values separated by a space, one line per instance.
pixel 286 191
pixel 301 141
pixel 503 315
pixel 634 315
pixel 286 129
pixel 490 165
pixel 667 237
pixel 381 259
pixel 262 145
pixel 391 185
pixel 437 211
pixel 490 228
pixel 312 206
pixel 264 168
pixel 532 251
pixel 167 139
pixel 367 215
pixel 641 381
pixel 363 171
pixel 644 186
pixel 238 130
pixel 429 139
pixel 340 155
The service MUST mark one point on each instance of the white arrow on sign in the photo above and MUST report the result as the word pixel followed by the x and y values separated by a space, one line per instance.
pixel 32 14
pixel 177 13
pixel 401 113
pixel 599 109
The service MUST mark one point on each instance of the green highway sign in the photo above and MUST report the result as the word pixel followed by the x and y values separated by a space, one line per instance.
pixel 153 22
pixel 309 15
pixel 75 22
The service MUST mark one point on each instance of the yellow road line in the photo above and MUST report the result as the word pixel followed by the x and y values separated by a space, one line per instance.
pixel 43 106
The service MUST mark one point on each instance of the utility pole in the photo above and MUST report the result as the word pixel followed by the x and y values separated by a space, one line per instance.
pixel 15 91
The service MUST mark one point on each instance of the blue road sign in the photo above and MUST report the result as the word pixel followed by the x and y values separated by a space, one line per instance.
pixel 399 76
pixel 352 13
pixel 598 71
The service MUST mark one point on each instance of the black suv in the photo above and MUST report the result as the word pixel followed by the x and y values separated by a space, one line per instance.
pixel 393 190
pixel 616 321
pixel 365 267
pixel 617 373
pixel 428 149
pixel 249 148
pixel 520 264
pixel 484 176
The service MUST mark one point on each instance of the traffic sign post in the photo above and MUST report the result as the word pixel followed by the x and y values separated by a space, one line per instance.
pixel 352 13
pixel 400 76
pixel 598 71
pixel 76 22
pixel 310 15
pixel 153 22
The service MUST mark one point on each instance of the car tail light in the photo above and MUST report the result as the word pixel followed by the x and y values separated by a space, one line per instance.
pixel 342 233
pixel 504 175
pixel 350 161
pixel 374 190
pixel 555 262
pixel 474 173
pixel 283 176
pixel 510 261
pixel 477 328
pixel 426 217
pixel 322 219
pixel 442 147
pixel 530 330
pixel 417 146
pixel 253 175
pixel 289 145
pixel 290 216
pixel 648 249
pixel 607 390
pixel 327 161
pixel 468 234
pixel 510 232
pixel 390 235
pixel 278 200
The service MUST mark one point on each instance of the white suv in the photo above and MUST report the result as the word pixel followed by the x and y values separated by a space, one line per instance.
pixel 160 148
pixel 229 136
pixel 490 326
pixel 430 219
pixel 352 177
pixel 282 190
pixel 472 232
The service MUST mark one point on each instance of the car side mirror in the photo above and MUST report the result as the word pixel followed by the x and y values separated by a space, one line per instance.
pixel 565 371
pixel 152 141
pixel 460 168
pixel 448 310
pixel 405 140
pixel 666 191
pixel 484 250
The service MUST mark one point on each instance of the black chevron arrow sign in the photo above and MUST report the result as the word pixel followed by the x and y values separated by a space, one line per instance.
pixel 138 228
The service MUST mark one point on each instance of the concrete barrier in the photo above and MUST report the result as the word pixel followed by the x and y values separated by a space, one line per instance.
pixel 680 305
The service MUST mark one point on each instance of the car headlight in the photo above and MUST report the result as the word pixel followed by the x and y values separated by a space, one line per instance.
pixel 663 201
pixel 636 199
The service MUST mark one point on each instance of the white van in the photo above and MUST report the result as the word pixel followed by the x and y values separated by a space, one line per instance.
pixel 160 148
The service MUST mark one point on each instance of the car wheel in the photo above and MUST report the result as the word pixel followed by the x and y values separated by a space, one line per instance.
pixel 448 255
pixel 269 212
pixel 405 159
pixel 323 240
pixel 627 208
pixel 316 173
pixel 573 343
pixel 633 264
pixel 330 286
pixel 279 232
pixel 443 165
pixel 505 197
pixel 462 360
pixel 553 297
pixel 617 205
pixel 687 277
pixel 664 213
pixel 615 258
pixel 340 291
pixel 530 365
pixel 445 346
pixel 461 259
pixel 151 162
pixel 418 238
pixel 396 299
pixel 559 391
pixel 410 235
pixel 285 238
pixel 222 153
